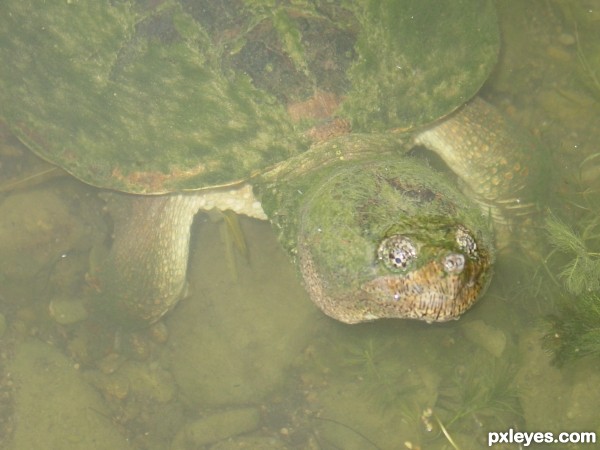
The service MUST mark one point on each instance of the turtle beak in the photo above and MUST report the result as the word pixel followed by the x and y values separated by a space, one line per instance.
pixel 440 290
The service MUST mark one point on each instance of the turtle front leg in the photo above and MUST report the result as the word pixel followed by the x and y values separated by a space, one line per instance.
pixel 143 275
pixel 498 162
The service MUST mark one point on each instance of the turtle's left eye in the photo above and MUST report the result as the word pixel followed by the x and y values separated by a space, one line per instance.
pixel 397 252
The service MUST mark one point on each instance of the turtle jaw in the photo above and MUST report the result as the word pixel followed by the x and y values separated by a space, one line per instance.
pixel 429 293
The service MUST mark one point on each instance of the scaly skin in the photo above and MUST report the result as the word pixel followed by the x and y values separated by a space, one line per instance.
pixel 494 158
pixel 373 232
pixel 499 164
pixel 144 274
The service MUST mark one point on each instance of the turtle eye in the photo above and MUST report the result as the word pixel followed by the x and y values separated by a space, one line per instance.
pixel 397 252
pixel 454 263
pixel 465 242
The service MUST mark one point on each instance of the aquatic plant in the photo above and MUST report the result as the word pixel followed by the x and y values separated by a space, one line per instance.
pixel 574 331
pixel 384 377
pixel 481 393
pixel 581 272
pixel 584 20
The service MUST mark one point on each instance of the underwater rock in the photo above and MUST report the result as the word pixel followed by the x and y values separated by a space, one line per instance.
pixel 142 380
pixel 231 341
pixel 67 311
pixel 113 387
pixel 35 227
pixel 485 336
pixel 557 53
pixel 216 427
pixel 45 237
pixel 567 39
pixel 55 408
pixel 149 381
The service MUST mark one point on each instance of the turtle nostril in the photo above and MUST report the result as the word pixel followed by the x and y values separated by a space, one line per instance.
pixel 454 263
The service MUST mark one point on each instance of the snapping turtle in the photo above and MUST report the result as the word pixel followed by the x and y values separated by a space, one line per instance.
pixel 303 110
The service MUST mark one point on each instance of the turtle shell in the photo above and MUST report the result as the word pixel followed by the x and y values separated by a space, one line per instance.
pixel 156 96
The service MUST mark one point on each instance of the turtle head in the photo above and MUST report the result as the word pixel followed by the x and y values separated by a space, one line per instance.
pixel 433 273
pixel 392 240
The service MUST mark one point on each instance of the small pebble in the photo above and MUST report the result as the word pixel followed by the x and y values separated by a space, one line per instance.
pixel 67 311
pixel 558 53
pixel 159 332
pixel 485 336
pixel 110 363
pixel 566 39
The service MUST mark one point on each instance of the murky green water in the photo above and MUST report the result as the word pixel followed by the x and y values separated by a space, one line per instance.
pixel 248 355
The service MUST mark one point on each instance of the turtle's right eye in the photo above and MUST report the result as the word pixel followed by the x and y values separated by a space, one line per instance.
pixel 397 252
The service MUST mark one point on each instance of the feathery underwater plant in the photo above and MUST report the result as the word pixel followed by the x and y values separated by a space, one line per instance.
pixel 574 331
pixel 582 272
pixel 483 392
